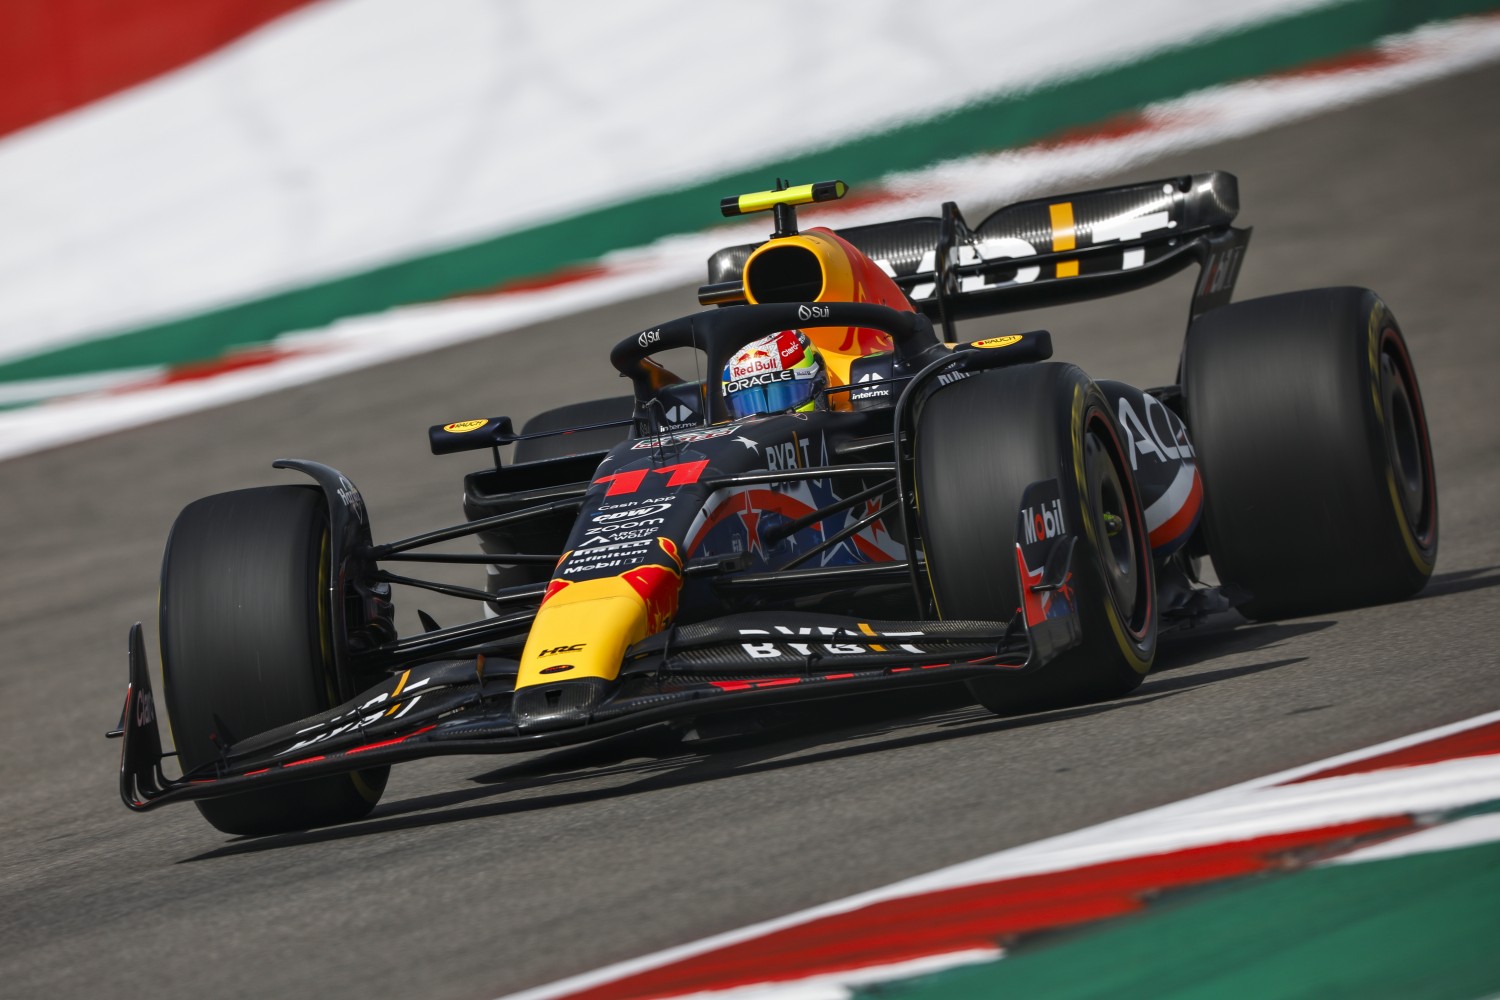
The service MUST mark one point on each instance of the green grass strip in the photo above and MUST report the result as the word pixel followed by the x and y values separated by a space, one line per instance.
pixel 1422 927
pixel 997 123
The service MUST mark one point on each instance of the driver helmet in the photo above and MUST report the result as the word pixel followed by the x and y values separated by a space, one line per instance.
pixel 782 373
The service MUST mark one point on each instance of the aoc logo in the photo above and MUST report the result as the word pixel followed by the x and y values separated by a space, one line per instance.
pixel 1160 435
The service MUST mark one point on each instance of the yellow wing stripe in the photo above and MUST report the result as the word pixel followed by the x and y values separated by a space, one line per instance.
pixel 1064 237
pixel 400 685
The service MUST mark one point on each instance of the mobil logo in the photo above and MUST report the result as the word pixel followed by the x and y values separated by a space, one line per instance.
pixel 1042 521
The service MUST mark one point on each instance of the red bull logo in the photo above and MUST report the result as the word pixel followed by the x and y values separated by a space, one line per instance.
pixel 769 354
pixel 753 360
pixel 742 368
pixel 554 587
pixel 658 585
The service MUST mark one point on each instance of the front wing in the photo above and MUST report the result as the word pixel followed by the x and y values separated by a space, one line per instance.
pixel 464 706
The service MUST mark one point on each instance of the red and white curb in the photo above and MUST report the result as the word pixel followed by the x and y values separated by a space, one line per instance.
pixel 56 412
pixel 1381 802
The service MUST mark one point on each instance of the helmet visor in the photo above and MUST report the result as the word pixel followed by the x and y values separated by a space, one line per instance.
pixel 777 397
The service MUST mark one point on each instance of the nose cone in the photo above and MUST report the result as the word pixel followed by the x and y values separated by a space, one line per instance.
pixel 560 705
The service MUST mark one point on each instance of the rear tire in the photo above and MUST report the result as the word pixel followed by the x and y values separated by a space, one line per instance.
pixel 246 647
pixel 980 443
pixel 1312 441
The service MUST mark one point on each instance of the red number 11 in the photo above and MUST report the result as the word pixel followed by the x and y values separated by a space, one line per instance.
pixel 681 474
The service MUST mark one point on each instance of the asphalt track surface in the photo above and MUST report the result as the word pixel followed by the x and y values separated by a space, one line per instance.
pixel 478 876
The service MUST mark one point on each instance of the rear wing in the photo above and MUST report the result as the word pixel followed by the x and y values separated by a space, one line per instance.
pixel 1037 253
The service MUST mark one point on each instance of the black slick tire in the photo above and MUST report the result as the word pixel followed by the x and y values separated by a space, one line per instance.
pixel 980 443
pixel 246 648
pixel 1312 442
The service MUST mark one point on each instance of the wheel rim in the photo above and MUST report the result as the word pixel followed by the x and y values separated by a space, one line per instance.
pixel 1405 444
pixel 1118 526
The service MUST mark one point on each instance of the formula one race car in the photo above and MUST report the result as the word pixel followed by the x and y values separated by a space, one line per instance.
pixel 849 502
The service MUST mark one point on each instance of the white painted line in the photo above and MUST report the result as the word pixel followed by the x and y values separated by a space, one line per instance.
pixel 1258 807
pixel 840 986
pixel 1468 832
pixel 37 390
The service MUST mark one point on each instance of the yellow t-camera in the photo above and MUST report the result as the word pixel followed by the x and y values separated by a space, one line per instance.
pixel 802 194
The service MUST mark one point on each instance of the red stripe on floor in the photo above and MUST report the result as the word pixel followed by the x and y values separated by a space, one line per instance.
pixel 1481 741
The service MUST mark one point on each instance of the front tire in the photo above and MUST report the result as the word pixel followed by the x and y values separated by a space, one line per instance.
pixel 1312 442
pixel 246 647
pixel 980 443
